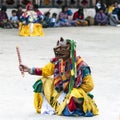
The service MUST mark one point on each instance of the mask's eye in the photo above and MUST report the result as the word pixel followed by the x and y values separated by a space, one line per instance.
pixel 63 47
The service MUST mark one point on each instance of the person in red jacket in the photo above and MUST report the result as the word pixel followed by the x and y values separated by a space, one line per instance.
pixel 79 17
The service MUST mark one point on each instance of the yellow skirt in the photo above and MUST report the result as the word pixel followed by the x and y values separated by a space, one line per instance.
pixel 32 29
pixel 52 97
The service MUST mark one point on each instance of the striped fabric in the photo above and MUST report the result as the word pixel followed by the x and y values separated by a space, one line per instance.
pixel 62 76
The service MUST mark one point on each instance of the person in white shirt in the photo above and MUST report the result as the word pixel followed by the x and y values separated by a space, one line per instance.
pixel 14 19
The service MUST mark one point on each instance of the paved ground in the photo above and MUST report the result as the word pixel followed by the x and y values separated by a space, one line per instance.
pixel 99 46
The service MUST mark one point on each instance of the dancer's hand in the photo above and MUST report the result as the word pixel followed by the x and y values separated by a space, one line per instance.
pixel 24 68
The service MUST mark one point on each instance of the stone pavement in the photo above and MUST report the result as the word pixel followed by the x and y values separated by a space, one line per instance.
pixel 98 45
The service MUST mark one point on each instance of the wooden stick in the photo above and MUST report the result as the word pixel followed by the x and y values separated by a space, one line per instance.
pixel 19 59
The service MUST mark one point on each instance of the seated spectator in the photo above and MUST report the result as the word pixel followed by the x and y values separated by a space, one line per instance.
pixel 39 13
pixel 99 5
pixel 53 21
pixel 110 8
pixel 79 17
pixel 114 18
pixel 14 19
pixel 64 17
pixel 19 11
pixel 35 7
pixel 101 18
pixel 116 10
pixel 4 21
pixel 30 25
pixel 46 20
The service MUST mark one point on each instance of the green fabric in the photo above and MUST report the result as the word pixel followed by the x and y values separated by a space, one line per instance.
pixel 37 86
pixel 80 99
pixel 90 95
pixel 86 71
pixel 73 63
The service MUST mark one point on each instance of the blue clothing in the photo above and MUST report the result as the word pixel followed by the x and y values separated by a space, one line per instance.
pixel 101 18
pixel 116 11
pixel 14 19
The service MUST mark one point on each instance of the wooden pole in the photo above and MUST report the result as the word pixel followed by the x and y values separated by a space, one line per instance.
pixel 19 59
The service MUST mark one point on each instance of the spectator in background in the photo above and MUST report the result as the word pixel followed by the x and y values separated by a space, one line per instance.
pixel 64 17
pixel 79 17
pixel 46 20
pixel 99 5
pixel 116 10
pixel 39 13
pixel 53 20
pixel 19 11
pixel 114 18
pixel 14 19
pixel 110 8
pixel 35 7
pixel 4 21
pixel 101 18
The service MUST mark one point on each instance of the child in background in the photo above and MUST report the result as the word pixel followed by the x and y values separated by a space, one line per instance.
pixel 14 19
pixel 64 19
pixel 53 20
pixel 46 20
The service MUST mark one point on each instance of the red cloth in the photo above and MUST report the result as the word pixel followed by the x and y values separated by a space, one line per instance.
pixel 37 71
pixel 71 105
pixel 28 6
pixel 77 16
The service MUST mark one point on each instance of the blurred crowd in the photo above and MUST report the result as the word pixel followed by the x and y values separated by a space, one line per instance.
pixel 104 15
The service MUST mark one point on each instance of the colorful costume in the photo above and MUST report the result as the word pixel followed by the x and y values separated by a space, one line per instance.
pixel 29 25
pixel 71 80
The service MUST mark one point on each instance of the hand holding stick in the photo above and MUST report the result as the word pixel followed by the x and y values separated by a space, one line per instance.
pixel 19 59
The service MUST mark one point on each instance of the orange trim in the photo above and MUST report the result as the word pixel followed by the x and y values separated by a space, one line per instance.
pixel 56 80
pixel 79 61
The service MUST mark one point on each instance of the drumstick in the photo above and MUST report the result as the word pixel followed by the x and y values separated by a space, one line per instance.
pixel 19 59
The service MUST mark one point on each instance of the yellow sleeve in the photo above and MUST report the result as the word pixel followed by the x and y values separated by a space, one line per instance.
pixel 48 70
pixel 87 84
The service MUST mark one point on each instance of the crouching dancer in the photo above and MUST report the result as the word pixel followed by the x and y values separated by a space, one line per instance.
pixel 67 92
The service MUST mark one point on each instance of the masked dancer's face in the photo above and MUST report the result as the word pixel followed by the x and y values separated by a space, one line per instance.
pixel 62 51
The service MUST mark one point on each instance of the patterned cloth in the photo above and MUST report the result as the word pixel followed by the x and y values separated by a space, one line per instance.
pixel 71 81
pixel 30 17
pixel 62 80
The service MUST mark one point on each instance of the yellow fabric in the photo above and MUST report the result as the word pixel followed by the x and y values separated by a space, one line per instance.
pixel 82 23
pixel 88 103
pixel 50 92
pixel 38 102
pixel 87 84
pixel 48 70
pixel 110 9
pixel 25 30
